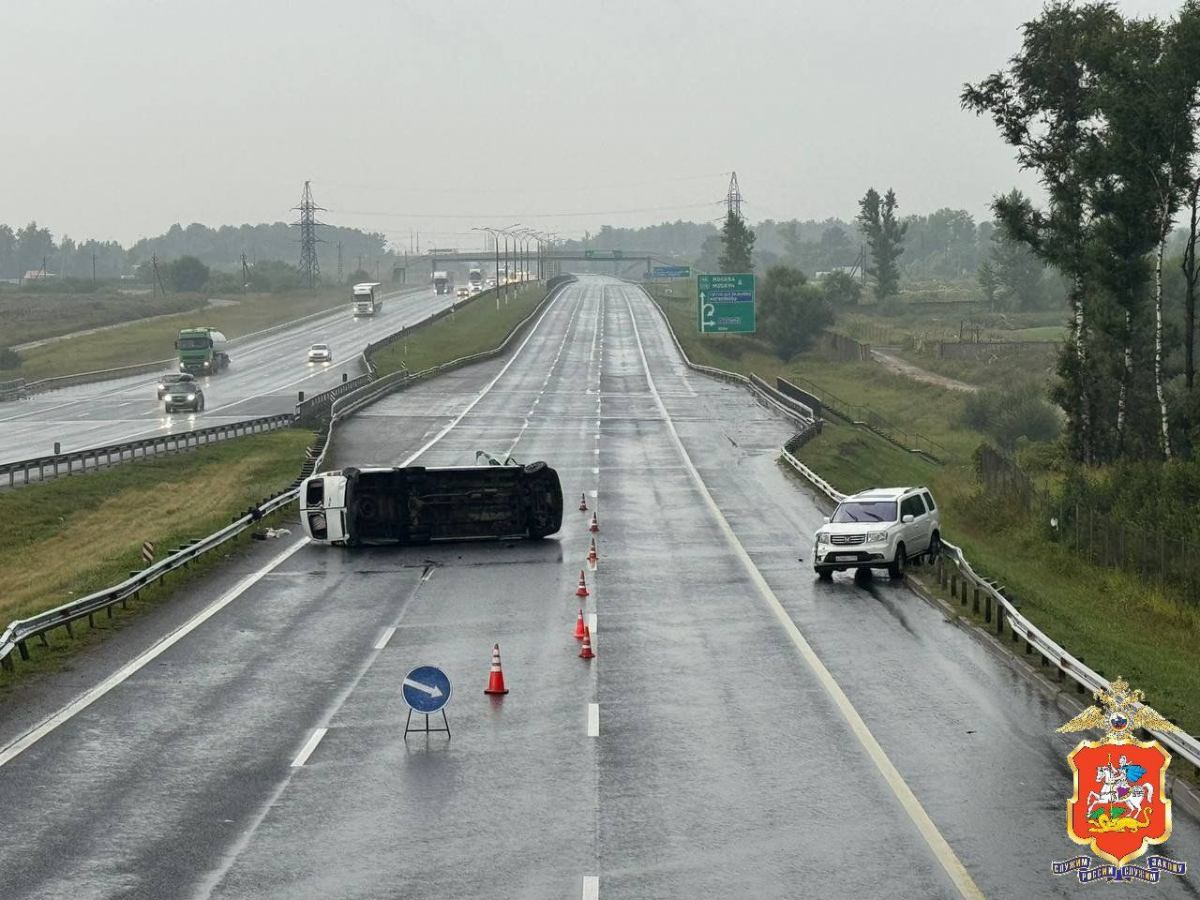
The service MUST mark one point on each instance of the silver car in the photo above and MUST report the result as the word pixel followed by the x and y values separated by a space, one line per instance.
pixel 881 528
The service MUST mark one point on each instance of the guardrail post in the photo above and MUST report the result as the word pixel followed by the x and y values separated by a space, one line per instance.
pixel 999 619
pixel 953 584
pixel 975 605
pixel 23 649
pixel 7 664
pixel 964 592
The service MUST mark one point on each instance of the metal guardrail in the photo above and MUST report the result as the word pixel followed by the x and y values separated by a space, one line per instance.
pixel 395 381
pixel 16 636
pixel 62 381
pixel 12 390
pixel 314 408
pixel 866 417
pixel 1007 616
pixel 1000 611
pixel 77 461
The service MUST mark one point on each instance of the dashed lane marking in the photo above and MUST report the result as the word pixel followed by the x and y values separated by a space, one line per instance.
pixel 593 720
pixel 384 638
pixel 309 746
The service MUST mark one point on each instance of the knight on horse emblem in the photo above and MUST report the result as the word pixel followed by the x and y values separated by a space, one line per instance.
pixel 1119 808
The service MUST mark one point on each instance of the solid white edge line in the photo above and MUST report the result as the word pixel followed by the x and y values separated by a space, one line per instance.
pixel 86 699
pixel 483 393
pixel 937 843
pixel 592 622
pixel 591 887
pixel 593 720
pixel 309 746
pixel 384 638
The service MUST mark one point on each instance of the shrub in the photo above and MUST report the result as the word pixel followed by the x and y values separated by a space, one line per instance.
pixel 9 359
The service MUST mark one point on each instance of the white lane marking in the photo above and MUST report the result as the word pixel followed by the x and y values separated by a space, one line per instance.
pixel 384 638
pixel 309 746
pixel 593 720
pixel 591 887
pixel 486 388
pixel 86 699
pixel 941 849
pixel 592 622
pixel 595 494
pixel 597 451
pixel 428 574
pixel 595 471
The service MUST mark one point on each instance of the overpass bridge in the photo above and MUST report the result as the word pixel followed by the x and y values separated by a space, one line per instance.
pixel 531 259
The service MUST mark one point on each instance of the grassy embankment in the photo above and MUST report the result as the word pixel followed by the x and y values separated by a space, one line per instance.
pixel 1117 622
pixel 72 536
pixel 477 327
pixel 140 342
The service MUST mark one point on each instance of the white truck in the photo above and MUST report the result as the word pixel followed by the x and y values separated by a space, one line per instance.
pixel 365 301
pixel 442 282
pixel 417 505
pixel 475 280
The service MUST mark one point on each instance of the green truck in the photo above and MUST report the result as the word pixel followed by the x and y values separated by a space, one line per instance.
pixel 202 351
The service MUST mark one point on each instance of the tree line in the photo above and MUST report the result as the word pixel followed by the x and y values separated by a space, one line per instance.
pixel 1105 109
pixel 33 248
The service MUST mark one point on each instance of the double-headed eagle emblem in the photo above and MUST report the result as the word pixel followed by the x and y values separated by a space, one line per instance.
pixel 1119 713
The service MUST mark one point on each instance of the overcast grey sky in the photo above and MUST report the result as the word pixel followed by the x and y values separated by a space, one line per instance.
pixel 125 116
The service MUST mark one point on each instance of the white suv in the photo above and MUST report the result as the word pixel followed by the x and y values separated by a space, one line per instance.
pixel 876 529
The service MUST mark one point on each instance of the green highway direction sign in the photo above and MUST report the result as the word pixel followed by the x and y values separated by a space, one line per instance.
pixel 726 303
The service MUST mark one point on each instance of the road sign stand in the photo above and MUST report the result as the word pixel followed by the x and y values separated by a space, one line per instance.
pixel 426 691
pixel 427 729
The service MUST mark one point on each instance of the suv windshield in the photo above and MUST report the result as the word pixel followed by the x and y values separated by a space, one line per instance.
pixel 176 379
pixel 865 511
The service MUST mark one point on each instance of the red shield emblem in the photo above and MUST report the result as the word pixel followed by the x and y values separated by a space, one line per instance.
pixel 1119 807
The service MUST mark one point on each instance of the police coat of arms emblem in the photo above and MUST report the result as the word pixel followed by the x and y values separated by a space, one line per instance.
pixel 1119 807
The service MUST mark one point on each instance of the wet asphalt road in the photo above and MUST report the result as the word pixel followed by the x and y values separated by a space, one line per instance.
pixel 721 766
pixel 264 379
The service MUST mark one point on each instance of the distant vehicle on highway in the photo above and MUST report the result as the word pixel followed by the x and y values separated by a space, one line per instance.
pixel 491 282
pixel 876 529
pixel 475 289
pixel 443 282
pixel 184 395
pixel 463 293
pixel 172 380
pixel 202 350
pixel 320 353
pixel 364 298
pixel 418 505
pixel 475 279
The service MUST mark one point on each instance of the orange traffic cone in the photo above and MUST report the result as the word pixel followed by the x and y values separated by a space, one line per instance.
pixel 496 680
pixel 585 652
pixel 583 502
pixel 582 590
pixel 580 628
pixel 595 526
pixel 593 556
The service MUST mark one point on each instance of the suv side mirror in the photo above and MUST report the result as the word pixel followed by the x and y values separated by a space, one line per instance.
pixel 907 520
pixel 826 519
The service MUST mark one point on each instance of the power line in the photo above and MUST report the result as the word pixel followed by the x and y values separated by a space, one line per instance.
pixel 478 216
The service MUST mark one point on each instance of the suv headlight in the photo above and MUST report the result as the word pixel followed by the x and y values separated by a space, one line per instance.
pixel 876 536
pixel 191 397
pixel 822 537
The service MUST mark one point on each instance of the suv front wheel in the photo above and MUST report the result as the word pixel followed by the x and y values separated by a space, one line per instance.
pixel 897 565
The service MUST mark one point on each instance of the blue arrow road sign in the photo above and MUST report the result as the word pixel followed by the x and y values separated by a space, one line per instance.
pixel 672 272
pixel 426 689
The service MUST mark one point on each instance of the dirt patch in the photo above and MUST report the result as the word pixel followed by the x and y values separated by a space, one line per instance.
pixel 907 369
